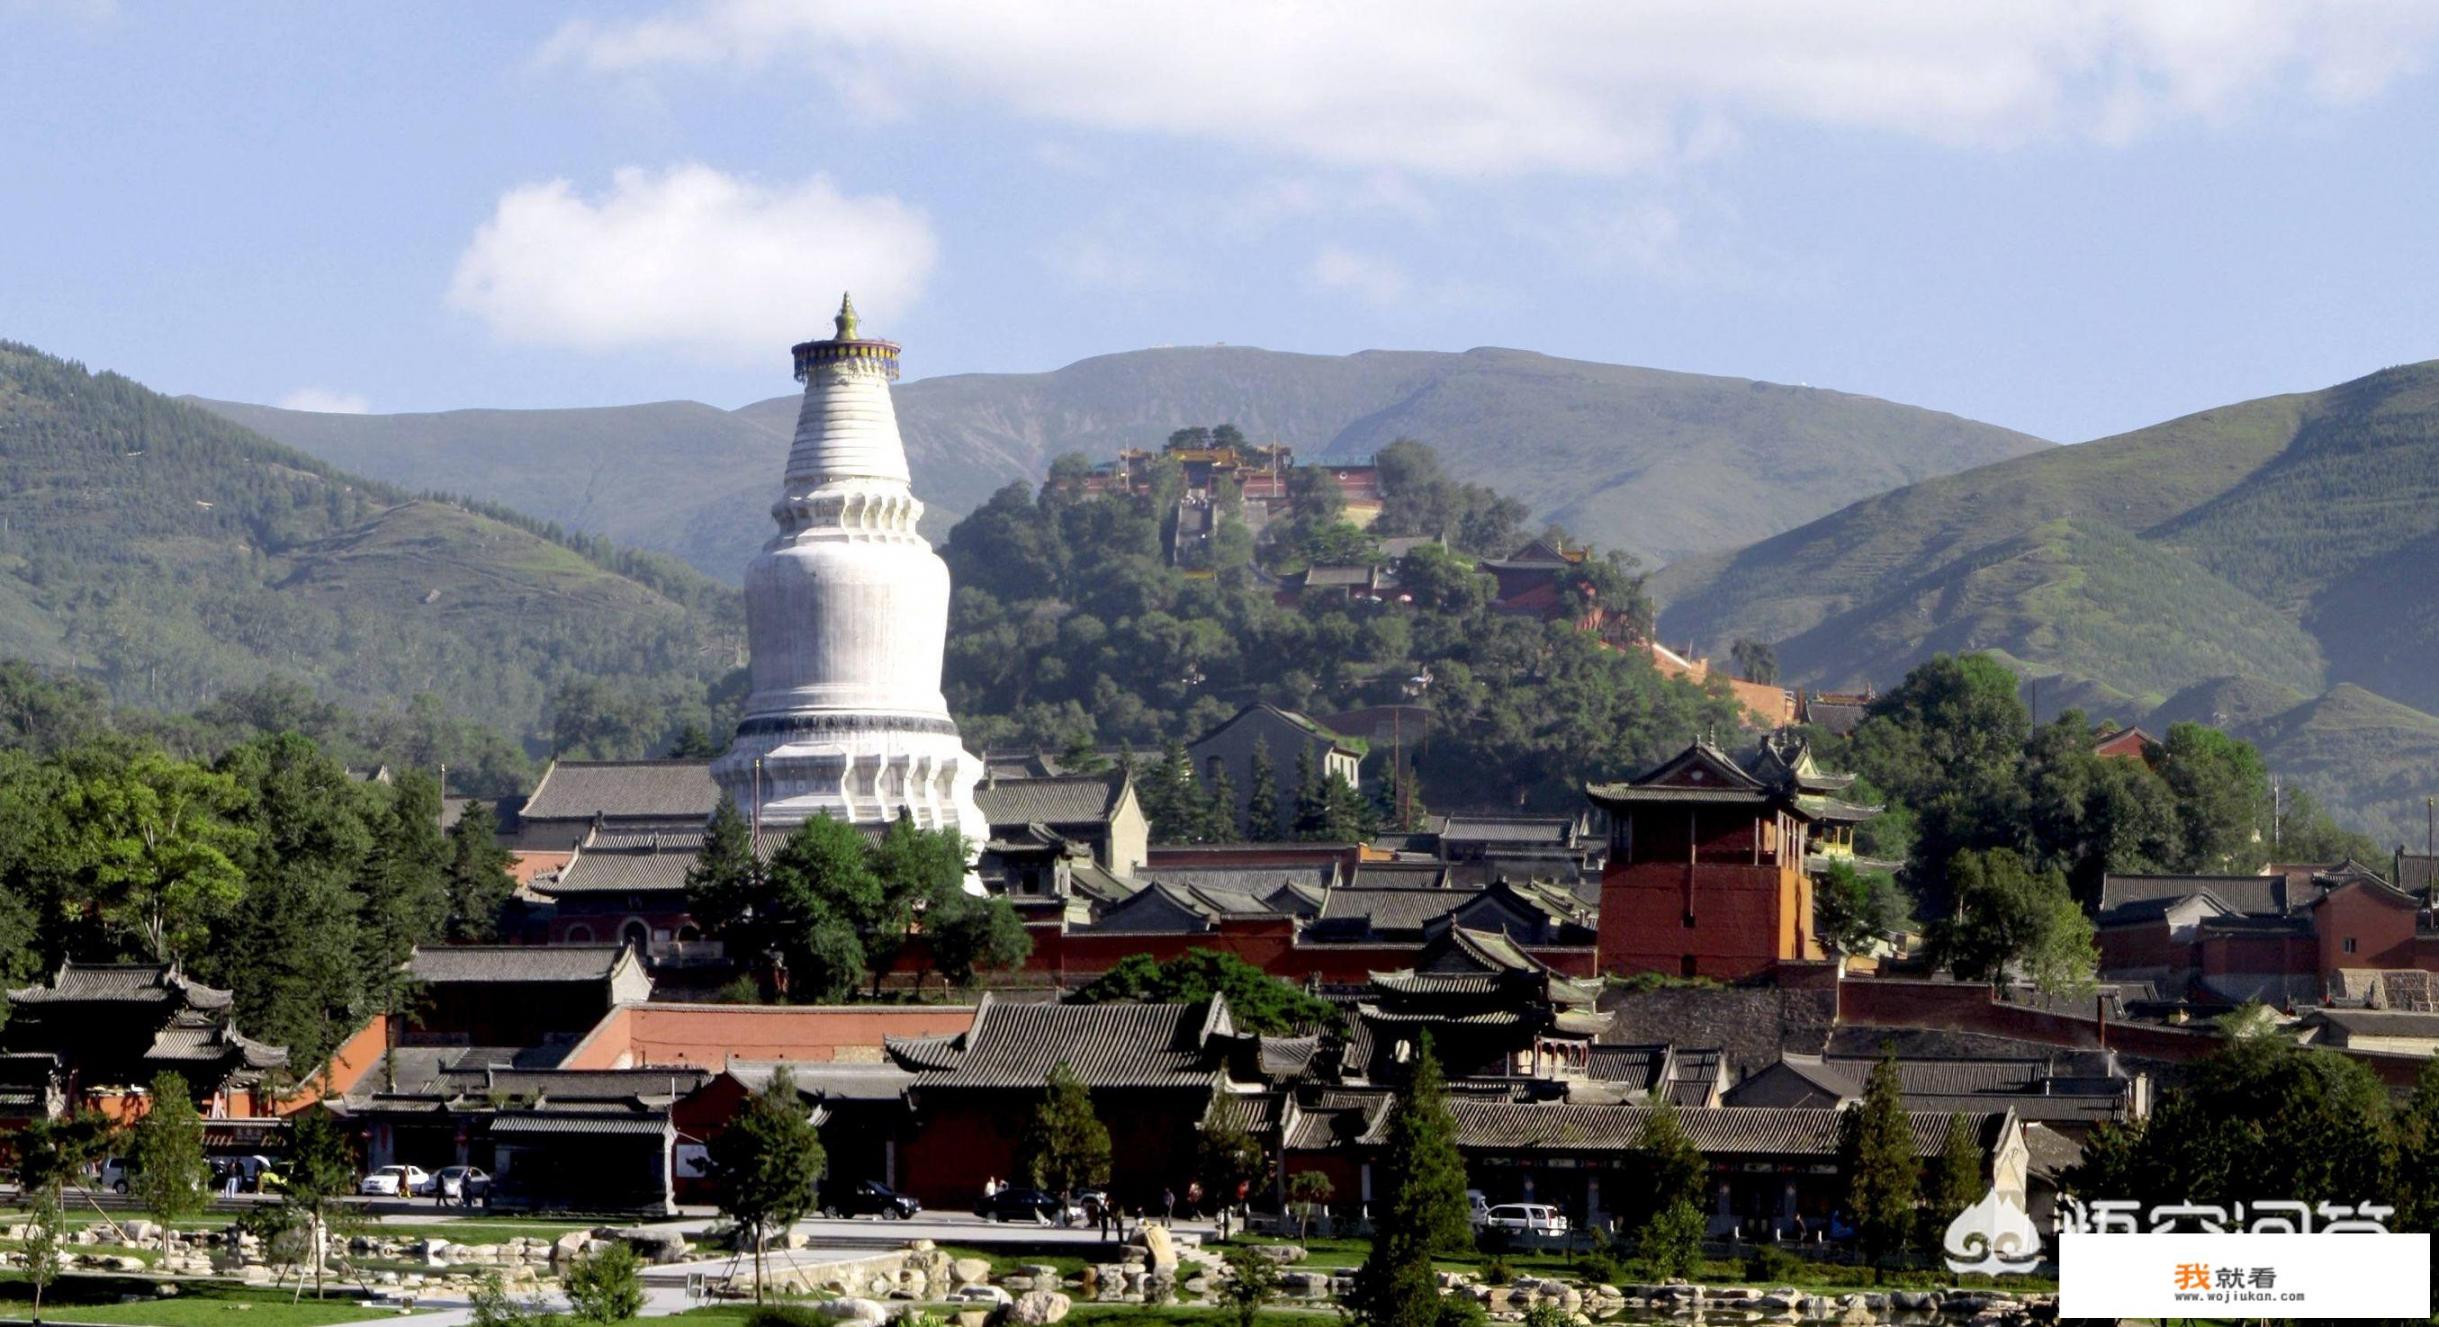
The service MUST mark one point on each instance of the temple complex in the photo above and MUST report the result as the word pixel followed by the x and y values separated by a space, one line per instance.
pixel 847 617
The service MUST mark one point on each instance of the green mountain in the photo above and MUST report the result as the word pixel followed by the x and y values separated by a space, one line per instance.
pixel 2234 561
pixel 1663 464
pixel 172 555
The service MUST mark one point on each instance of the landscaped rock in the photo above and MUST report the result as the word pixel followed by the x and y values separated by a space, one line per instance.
pixel 569 1247
pixel 969 1271
pixel 1283 1254
pixel 1159 1248
pixel 1036 1308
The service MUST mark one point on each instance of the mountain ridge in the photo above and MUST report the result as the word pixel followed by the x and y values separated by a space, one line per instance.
pixel 1654 461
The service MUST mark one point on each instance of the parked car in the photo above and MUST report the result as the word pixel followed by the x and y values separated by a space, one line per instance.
pixel 1091 1202
pixel 1526 1219
pixel 396 1182
pixel 1013 1204
pixel 1477 1208
pixel 460 1184
pixel 870 1198
pixel 115 1174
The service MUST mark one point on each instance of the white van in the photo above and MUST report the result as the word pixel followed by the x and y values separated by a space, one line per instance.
pixel 1477 1208
pixel 1527 1219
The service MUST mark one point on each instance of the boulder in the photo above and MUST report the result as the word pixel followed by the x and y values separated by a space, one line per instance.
pixel 141 1232
pixel 569 1247
pixel 1283 1254
pixel 657 1246
pixel 1036 1308
pixel 1159 1248
pixel 969 1271
pixel 851 1309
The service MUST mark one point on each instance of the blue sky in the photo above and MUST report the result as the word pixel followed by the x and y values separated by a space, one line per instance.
pixel 2070 218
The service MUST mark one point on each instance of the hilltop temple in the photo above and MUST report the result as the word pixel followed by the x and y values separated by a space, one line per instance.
pixel 847 616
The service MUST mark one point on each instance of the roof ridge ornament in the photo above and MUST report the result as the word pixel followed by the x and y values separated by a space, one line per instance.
pixel 846 320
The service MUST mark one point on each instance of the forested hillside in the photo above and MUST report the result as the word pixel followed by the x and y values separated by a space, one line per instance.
pixel 174 557
pixel 1659 464
pixel 2284 543
pixel 1070 629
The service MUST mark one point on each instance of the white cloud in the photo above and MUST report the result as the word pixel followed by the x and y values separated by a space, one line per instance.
pixel 688 258
pixel 1370 277
pixel 323 401
pixel 1456 88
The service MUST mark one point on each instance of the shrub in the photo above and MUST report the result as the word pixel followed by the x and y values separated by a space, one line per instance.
pixel 1548 1315
pixel 1772 1264
pixel 1460 1311
pixel 1496 1271
pixel 493 1306
pixel 608 1285
pixel 1671 1242
pixel 785 1315
pixel 1599 1268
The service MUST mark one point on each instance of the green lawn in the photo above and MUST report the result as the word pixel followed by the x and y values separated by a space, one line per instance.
pixel 475 1230
pixel 95 1299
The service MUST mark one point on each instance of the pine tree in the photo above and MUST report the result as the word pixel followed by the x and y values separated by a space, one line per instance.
pixel 1954 1183
pixel 165 1152
pixel 1305 823
pixel 1219 816
pixel 1068 1147
pixel 1170 800
pixel 2417 1164
pixel 1262 799
pixel 765 1165
pixel 321 1172
pixel 404 894
pixel 818 888
pixel 1422 1209
pixel 1876 1156
pixel 723 883
pixel 478 881
pixel 1342 815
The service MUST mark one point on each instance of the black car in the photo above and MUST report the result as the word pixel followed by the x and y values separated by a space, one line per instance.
pixel 870 1198
pixel 1019 1205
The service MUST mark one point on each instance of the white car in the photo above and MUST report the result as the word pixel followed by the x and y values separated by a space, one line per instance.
pixel 1477 1208
pixel 396 1182
pixel 115 1174
pixel 1526 1219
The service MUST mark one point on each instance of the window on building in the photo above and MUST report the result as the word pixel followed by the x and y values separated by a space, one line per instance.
pixel 1689 919
pixel 2348 944
pixel 1685 967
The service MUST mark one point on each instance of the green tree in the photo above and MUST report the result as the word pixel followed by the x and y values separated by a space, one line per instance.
pixel 1262 797
pixel 1948 743
pixel 606 1285
pixel 919 872
pixel 765 1166
pixel 817 888
pixel 1876 1158
pixel 1227 1156
pixel 1253 1281
pixel 2417 1156
pixel 155 848
pixel 2222 790
pixel 971 936
pixel 1306 1190
pixel 1755 661
pixel 1339 814
pixel 1955 1181
pixel 1308 811
pixel 1851 908
pixel 725 881
pixel 170 1176
pixel 1422 1209
pixel 1171 801
pixel 1670 1243
pixel 476 876
pixel 1673 1171
pixel 39 1250
pixel 1220 807
pixel 1257 1001
pixel 403 892
pixel 321 1172
pixel 300 964
pixel 2008 917
pixel 1067 1147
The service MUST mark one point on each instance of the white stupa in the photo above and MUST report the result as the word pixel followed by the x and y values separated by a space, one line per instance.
pixel 846 612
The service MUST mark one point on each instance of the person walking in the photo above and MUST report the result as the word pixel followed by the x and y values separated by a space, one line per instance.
pixel 1168 1206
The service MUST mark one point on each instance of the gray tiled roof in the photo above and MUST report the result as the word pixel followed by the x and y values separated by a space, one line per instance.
pixel 2378 1022
pixel 1399 875
pixel 625 789
pixel 129 983
pixel 1104 1045
pixel 1254 880
pixel 1634 1066
pixel 514 963
pixel 1934 1077
pixel 2255 895
pixel 1390 910
pixel 1555 830
pixel 829 1080
pixel 595 871
pixel 1714 1130
pixel 1069 799
pixel 593 1124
